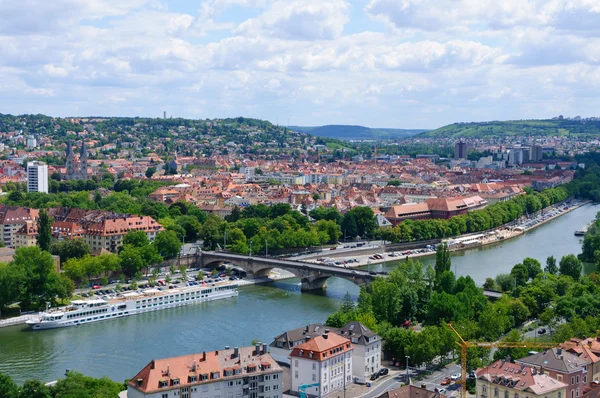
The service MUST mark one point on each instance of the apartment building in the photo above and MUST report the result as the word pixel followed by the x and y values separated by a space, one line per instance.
pixel 504 379
pixel 247 372
pixel 563 366
pixel 37 177
pixel 588 350
pixel 12 219
pixel 366 356
pixel 27 235
pixel 108 233
pixel 322 365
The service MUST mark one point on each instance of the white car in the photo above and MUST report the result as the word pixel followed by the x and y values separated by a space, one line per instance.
pixel 455 376
pixel 442 391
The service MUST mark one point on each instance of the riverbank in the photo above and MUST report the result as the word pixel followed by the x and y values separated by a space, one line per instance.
pixel 462 243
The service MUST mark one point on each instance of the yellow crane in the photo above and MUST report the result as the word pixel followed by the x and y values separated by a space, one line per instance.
pixel 464 345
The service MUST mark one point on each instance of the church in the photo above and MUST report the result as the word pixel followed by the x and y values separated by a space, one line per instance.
pixel 77 170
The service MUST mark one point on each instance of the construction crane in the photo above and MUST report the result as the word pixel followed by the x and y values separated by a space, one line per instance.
pixel 464 345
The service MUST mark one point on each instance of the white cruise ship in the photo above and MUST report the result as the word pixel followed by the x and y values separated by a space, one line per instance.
pixel 132 303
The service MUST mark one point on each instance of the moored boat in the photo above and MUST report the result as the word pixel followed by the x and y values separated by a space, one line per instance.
pixel 131 303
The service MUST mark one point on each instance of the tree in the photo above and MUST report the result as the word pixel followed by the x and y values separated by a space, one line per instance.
pixel 136 238
pixel 349 226
pixel 443 263
pixel 70 248
pixel 347 305
pixel 77 385
pixel 35 389
pixel 168 244
pixel 571 266
pixel 150 172
pixel 533 267
pixel 365 220
pixel 551 267
pixel 490 284
pixel 132 260
pixel 44 225
pixel 39 275
pixel 8 388
pixel 520 274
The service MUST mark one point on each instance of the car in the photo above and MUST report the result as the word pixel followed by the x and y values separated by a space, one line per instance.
pixel 113 281
pixel 372 273
pixel 455 376
pixel 446 381
pixel 96 287
pixel 375 376
pixel 84 295
pixel 442 391
pixel 383 371
pixel 541 331
pixel 472 375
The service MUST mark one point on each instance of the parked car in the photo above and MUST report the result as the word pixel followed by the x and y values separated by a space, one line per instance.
pixel 541 331
pixel 96 287
pixel 383 371
pixel 455 376
pixel 446 381
pixel 375 376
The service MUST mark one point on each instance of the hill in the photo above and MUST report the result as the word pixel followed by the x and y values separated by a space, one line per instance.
pixel 346 132
pixel 554 127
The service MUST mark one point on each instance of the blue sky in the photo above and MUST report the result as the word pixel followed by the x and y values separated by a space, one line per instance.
pixel 380 63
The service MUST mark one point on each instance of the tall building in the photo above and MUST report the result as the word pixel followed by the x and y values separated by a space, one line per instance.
pixel 247 372
pixel 76 170
pixel 536 153
pixel 37 177
pixel 460 150
pixel 322 365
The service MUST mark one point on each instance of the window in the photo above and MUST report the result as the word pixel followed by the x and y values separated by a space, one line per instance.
pixel 230 384
pixel 572 380
pixel 296 375
pixel 165 396
pixel 577 379
pixel 314 377
pixel 275 387
pixel 296 362
pixel 505 394
pixel 314 366
pixel 496 392
pixel 484 389
pixel 275 377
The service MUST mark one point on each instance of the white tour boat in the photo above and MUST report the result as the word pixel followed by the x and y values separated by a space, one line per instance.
pixel 130 303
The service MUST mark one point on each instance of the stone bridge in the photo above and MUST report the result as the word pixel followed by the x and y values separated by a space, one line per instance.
pixel 313 276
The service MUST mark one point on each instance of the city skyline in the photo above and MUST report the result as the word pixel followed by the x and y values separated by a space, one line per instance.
pixel 379 63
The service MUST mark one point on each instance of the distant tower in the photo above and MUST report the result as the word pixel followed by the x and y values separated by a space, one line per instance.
pixel 83 162
pixel 164 114
pixel 460 150
pixel 70 162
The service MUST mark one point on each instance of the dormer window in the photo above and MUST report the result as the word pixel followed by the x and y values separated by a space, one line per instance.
pixel 163 384
pixel 204 376
pixel 192 378
pixel 174 382
pixel 215 375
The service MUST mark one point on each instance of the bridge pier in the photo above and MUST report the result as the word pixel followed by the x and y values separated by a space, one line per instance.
pixel 261 273
pixel 314 283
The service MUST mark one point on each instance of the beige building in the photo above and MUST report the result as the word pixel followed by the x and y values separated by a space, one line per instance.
pixel 27 235
pixel 108 234
pixel 504 379
pixel 13 219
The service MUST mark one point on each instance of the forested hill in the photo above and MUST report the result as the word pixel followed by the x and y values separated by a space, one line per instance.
pixel 554 127
pixel 347 132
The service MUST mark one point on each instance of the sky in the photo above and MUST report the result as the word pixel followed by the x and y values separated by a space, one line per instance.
pixel 378 63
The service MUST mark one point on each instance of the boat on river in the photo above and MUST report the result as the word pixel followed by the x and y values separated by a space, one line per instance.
pixel 82 312
pixel 582 231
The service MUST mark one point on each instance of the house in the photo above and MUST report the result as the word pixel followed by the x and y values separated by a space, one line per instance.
pixel 504 379
pixel 238 372
pixel 27 235
pixel 563 366
pixel 366 356
pixel 589 350
pixel 414 211
pixel 13 219
pixel 321 365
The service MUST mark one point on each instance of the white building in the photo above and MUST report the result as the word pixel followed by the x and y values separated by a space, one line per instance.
pixel 247 372
pixel 366 356
pixel 322 365
pixel 31 142
pixel 37 177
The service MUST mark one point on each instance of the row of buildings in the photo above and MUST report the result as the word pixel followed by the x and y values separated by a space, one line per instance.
pixel 319 361
pixel 101 230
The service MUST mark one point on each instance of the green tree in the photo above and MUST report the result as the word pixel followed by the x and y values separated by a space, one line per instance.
pixel 520 274
pixel 11 284
pixel 77 385
pixel 132 260
pixel 35 389
pixel 136 238
pixel 365 220
pixel 349 226
pixel 44 225
pixel 8 388
pixel 533 267
pixel 70 248
pixel 150 172
pixel 168 244
pixel 37 268
pixel 551 266
pixel 347 305
pixel 571 266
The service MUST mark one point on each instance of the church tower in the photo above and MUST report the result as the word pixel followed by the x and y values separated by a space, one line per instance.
pixel 83 162
pixel 70 165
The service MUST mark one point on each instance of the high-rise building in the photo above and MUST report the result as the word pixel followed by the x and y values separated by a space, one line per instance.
pixel 460 150
pixel 37 177
pixel 536 153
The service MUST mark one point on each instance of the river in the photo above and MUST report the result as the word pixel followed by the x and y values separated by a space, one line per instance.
pixel 120 347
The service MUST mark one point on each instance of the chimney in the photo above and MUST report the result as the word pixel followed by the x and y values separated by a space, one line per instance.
pixel 216 353
pixel 325 336
pixel 226 347
pixel 307 328
pixel 152 365
pixel 236 352
pixel 138 382
pixel 326 331
pixel 257 349
pixel 559 352
pixel 264 351
pixel 306 338
pixel 168 370
pixel 203 355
